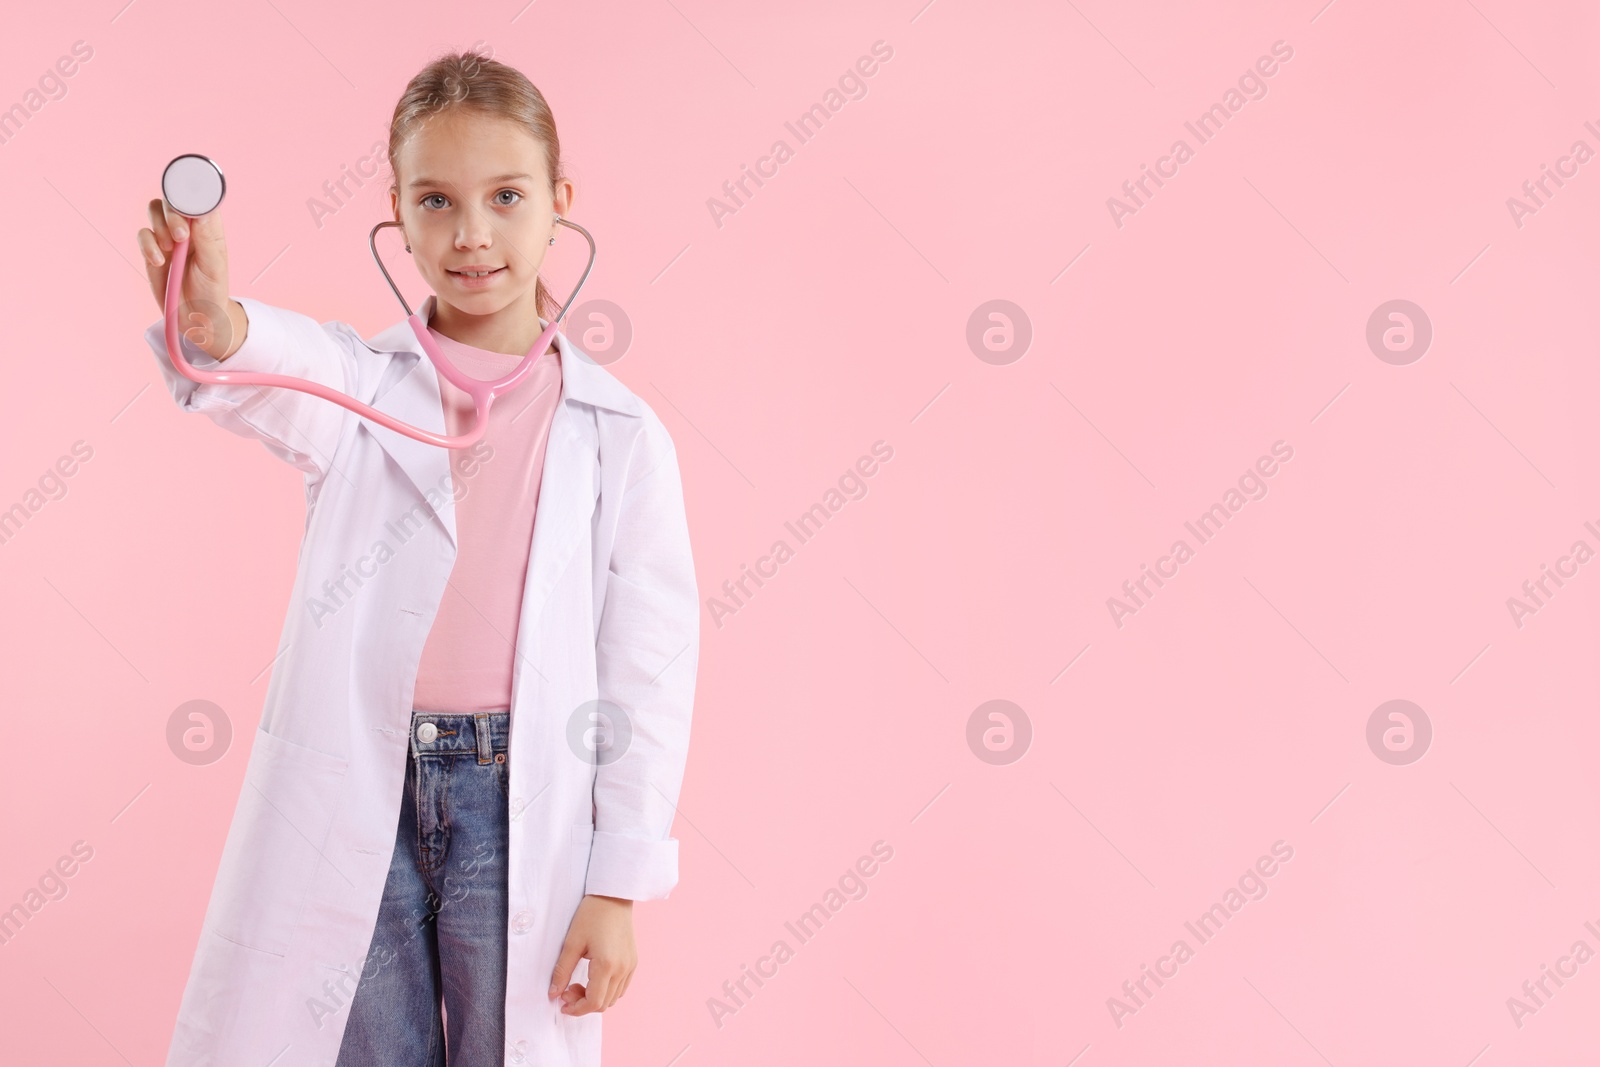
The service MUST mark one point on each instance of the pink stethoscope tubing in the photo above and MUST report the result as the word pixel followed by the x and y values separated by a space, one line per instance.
pixel 483 393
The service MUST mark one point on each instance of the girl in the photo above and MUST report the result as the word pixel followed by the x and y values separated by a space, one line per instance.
pixel 472 744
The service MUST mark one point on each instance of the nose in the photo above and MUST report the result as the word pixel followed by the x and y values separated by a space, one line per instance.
pixel 475 231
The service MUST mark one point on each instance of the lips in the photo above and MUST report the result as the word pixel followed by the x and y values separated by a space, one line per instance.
pixel 481 272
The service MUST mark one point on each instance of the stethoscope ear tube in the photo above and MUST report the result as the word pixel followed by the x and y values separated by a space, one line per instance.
pixel 196 182
pixel 372 243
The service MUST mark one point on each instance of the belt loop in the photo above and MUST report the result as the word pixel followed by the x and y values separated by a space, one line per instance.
pixel 485 742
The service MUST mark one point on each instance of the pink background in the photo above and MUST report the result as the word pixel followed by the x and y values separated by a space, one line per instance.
pixel 829 312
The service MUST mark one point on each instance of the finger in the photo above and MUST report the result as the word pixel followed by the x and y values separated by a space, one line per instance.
pixel 622 986
pixel 614 986
pixel 158 225
pixel 206 230
pixel 154 265
pixel 587 1003
pixel 602 980
pixel 571 999
pixel 149 251
pixel 177 222
pixel 571 953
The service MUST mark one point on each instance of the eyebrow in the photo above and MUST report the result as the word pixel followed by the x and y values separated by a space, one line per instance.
pixel 441 183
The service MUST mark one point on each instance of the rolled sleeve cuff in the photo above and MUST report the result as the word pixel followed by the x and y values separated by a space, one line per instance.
pixel 263 347
pixel 261 350
pixel 633 868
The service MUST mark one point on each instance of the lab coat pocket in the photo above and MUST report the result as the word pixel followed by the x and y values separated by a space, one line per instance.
pixel 276 844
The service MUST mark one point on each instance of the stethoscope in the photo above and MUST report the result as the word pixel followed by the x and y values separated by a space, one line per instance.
pixel 193 186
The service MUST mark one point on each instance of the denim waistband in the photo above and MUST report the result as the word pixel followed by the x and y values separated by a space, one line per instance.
pixel 482 732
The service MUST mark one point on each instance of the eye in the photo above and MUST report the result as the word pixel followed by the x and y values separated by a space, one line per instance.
pixel 503 192
pixel 432 196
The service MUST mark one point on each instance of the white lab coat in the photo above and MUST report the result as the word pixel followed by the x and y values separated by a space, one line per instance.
pixel 609 611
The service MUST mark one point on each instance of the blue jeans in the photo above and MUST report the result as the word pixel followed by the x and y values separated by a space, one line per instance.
pixel 441 928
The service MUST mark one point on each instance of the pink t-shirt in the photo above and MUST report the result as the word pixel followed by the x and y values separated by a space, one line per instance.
pixel 468 656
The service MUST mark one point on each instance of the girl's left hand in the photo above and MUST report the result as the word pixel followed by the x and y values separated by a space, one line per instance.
pixel 602 933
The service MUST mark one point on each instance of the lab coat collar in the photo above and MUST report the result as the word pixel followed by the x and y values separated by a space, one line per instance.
pixel 411 393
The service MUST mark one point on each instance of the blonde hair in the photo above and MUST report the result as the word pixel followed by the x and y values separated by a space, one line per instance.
pixel 477 82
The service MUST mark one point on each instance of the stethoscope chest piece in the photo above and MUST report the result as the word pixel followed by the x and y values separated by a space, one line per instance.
pixel 193 185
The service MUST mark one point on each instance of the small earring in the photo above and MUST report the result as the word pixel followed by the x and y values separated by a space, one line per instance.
pixel 408 248
pixel 552 240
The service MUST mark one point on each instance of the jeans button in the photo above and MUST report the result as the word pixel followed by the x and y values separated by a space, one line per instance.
pixel 427 732
pixel 521 922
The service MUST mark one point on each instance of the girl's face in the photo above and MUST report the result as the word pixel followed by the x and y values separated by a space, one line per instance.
pixel 474 196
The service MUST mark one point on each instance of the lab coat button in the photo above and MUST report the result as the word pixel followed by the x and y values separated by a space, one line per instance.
pixel 519 1052
pixel 427 732
pixel 521 922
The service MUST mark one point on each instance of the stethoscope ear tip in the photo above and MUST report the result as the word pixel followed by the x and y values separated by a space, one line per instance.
pixel 193 185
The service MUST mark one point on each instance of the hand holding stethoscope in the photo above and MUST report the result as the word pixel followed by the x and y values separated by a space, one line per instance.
pixel 185 232
pixel 205 282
